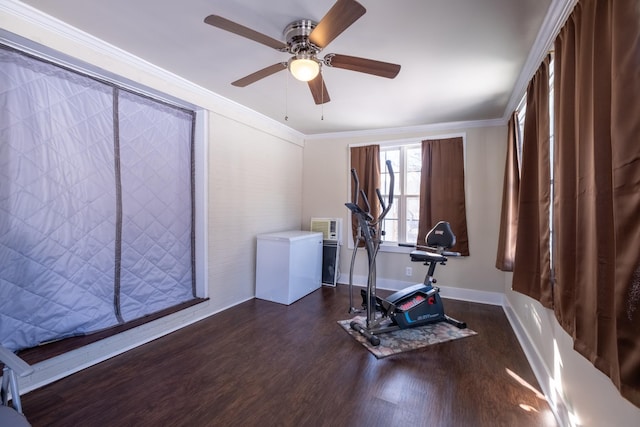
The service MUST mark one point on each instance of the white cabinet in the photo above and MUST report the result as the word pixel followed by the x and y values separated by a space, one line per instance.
pixel 288 265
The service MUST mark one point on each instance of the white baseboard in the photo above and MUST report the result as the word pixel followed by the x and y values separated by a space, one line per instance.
pixel 471 295
pixel 56 368
pixel 540 369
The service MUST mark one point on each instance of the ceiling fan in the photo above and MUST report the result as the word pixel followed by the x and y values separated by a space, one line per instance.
pixel 304 41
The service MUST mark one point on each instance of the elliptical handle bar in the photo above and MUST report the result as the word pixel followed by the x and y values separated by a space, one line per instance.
pixel 391 181
pixel 380 199
pixel 356 190
pixel 354 207
pixel 386 209
pixel 366 202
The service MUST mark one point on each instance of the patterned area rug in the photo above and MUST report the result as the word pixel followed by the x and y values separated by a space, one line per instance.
pixel 407 339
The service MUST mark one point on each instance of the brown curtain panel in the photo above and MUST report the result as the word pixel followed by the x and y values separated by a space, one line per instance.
pixel 597 187
pixel 442 196
pixel 366 162
pixel 531 269
pixel 510 191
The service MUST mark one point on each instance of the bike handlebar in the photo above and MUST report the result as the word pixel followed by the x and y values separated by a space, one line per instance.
pixel 380 199
pixel 386 209
pixel 356 181
pixel 366 201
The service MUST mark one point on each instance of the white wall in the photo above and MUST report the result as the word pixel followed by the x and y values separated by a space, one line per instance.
pixel 254 188
pixel 326 190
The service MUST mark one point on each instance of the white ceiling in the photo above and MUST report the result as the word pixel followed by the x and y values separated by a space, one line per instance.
pixel 461 59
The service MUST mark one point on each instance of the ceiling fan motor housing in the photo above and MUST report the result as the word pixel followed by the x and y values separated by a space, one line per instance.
pixel 297 36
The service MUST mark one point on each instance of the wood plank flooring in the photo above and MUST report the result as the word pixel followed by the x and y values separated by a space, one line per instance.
pixel 266 364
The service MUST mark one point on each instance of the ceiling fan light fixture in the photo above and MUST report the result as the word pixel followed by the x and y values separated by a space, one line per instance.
pixel 304 67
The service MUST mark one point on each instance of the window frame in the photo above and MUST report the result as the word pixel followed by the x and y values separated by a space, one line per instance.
pixel 401 196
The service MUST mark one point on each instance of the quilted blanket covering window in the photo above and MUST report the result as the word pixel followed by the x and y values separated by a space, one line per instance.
pixel 96 203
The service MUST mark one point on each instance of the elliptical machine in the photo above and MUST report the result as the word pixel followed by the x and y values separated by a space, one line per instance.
pixel 413 306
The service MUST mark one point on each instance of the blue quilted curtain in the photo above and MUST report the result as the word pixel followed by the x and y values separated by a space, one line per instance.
pixel 95 203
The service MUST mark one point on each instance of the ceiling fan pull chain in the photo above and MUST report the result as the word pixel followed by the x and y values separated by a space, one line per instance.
pixel 286 97
pixel 322 98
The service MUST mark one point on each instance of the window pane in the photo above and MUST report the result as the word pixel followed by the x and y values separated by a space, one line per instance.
pixel 412 217
pixel 414 165
pixel 390 230
pixel 390 223
pixel 393 155
pixel 384 184
pixel 413 183
pixel 414 159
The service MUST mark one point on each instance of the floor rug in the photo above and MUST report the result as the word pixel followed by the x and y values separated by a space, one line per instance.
pixel 407 339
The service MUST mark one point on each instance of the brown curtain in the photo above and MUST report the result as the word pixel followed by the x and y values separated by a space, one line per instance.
pixel 531 270
pixel 510 191
pixel 442 195
pixel 597 182
pixel 366 162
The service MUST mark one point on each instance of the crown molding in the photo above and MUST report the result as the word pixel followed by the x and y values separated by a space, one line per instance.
pixel 420 129
pixel 555 18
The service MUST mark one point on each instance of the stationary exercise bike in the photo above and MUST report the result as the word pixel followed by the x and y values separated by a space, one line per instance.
pixel 413 306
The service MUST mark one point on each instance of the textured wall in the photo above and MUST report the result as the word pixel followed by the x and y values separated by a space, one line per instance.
pixel 254 187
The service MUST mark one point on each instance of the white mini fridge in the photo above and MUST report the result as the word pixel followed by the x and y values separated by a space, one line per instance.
pixel 288 265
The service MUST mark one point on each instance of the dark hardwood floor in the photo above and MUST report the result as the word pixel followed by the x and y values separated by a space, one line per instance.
pixel 262 363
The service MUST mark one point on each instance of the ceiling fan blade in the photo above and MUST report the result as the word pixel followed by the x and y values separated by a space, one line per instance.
pixel 319 90
pixel 362 65
pixel 339 18
pixel 260 74
pixel 241 30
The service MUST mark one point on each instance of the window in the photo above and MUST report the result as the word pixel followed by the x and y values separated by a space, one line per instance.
pixel 401 224
pixel 521 113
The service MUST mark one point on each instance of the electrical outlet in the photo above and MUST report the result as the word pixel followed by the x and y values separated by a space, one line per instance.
pixel 408 271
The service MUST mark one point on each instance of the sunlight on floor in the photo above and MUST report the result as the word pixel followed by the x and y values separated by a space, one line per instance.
pixel 525 384
pixel 528 408
pixel 548 414
pixel 392 387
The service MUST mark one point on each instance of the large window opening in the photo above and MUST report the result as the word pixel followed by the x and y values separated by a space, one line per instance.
pixel 97 203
